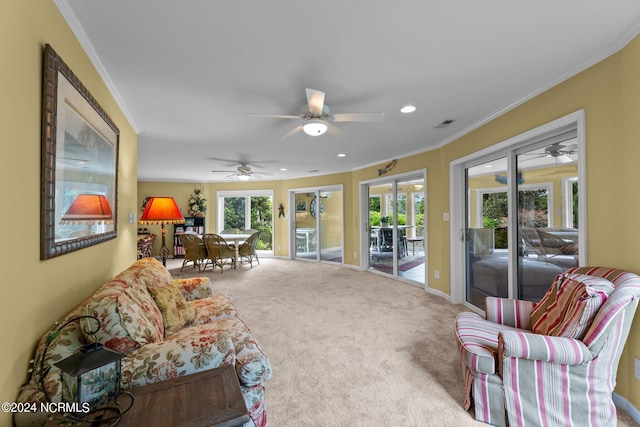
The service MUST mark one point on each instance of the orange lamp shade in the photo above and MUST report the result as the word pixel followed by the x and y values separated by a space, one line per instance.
pixel 161 210
pixel 88 208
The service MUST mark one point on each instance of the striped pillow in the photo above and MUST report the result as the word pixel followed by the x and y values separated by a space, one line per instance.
pixel 541 308
pixel 578 299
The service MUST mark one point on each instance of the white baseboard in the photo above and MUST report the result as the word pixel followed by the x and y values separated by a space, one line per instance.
pixel 625 405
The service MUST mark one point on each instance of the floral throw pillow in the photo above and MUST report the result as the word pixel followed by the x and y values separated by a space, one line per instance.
pixel 176 313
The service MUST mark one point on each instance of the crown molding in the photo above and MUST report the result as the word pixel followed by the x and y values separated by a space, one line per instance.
pixel 618 45
pixel 76 27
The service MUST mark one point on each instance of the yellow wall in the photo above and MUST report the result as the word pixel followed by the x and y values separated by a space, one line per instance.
pixel 36 293
pixel 610 95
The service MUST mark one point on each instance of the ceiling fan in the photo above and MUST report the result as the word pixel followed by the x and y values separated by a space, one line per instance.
pixel 558 151
pixel 243 172
pixel 317 119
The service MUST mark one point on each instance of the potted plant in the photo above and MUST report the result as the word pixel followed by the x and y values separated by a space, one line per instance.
pixel 385 221
pixel 197 203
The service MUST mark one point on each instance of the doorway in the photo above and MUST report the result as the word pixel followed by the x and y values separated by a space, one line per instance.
pixel 393 239
pixel 317 228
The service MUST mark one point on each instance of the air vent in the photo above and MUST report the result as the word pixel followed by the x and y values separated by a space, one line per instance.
pixel 445 123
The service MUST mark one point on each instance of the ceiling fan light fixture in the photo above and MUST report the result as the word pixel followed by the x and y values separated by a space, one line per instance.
pixel 408 109
pixel 243 177
pixel 315 127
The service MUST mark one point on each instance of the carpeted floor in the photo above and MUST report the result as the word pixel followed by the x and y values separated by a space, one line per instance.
pixel 349 348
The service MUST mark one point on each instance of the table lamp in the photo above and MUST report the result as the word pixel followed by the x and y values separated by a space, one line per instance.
pixel 162 210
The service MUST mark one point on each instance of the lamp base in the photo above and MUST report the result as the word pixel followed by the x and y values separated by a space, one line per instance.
pixel 164 250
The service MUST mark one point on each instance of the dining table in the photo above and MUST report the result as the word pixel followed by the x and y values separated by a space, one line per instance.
pixel 237 240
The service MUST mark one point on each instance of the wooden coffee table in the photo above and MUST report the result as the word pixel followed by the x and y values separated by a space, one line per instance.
pixel 208 398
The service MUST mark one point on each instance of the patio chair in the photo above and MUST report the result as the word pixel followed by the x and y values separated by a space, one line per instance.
pixel 194 251
pixel 219 250
pixel 247 250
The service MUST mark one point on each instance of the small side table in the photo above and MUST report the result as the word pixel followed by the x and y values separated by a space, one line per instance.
pixel 208 398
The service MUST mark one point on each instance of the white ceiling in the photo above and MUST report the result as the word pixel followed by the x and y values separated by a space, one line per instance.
pixel 186 73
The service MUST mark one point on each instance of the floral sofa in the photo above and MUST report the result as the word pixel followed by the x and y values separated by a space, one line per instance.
pixel 166 328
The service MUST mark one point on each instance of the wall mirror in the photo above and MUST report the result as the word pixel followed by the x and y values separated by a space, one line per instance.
pixel 78 201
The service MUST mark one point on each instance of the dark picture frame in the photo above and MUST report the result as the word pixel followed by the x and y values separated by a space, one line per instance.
pixel 301 206
pixel 79 155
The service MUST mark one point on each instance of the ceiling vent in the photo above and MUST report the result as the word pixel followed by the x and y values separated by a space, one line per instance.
pixel 445 124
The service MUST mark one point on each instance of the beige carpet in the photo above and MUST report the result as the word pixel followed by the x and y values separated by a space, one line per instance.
pixel 349 348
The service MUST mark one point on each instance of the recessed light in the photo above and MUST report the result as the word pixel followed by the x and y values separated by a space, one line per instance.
pixel 342 155
pixel 408 109
pixel 283 169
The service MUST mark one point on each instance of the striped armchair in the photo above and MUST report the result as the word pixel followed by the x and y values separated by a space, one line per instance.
pixel 554 362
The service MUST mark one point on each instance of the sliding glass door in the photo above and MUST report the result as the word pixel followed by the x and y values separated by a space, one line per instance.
pixel 487 231
pixel 395 231
pixel 318 227
pixel 548 244
pixel 521 222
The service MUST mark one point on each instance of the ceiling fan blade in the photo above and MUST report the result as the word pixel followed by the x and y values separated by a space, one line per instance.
pixel 315 100
pixel 358 117
pixel 293 131
pixel 223 171
pixel 335 131
pixel 273 116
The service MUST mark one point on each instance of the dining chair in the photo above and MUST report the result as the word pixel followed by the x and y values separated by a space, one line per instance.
pixel 247 250
pixel 194 251
pixel 218 250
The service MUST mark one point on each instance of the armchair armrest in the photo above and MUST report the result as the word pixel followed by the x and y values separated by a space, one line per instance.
pixel 195 288
pixel 546 348
pixel 509 312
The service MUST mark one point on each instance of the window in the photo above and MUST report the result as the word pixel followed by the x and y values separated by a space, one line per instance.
pixel 247 210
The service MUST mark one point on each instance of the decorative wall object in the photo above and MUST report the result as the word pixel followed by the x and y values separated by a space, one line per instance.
pixel 79 155
pixel 197 203
pixel 387 168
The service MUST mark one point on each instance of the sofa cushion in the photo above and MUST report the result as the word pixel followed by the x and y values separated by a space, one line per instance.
pixel 176 313
pixel 571 249
pixel 190 350
pixel 572 306
pixel 549 240
pixel 129 317
pixel 210 309
pixel 149 272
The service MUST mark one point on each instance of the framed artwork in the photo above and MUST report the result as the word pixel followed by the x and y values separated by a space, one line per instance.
pixel 79 164
pixel 301 206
